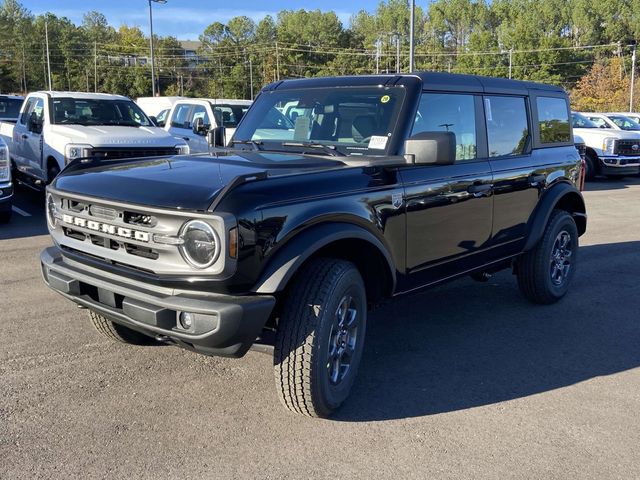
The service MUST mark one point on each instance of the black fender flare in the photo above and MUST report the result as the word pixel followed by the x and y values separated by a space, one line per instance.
pixel 286 262
pixel 550 199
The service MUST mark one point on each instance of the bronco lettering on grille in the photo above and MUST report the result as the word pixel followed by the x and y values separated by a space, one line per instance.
pixel 106 228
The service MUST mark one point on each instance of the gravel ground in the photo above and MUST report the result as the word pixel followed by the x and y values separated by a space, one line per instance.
pixel 467 380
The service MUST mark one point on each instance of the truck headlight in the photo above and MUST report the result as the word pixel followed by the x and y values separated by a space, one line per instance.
pixel 201 246
pixel 609 145
pixel 182 149
pixel 5 164
pixel 73 151
pixel 52 212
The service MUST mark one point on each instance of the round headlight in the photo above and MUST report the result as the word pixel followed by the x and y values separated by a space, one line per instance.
pixel 201 246
pixel 52 212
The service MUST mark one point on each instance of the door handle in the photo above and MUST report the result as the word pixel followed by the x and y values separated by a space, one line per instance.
pixel 536 179
pixel 480 189
pixel 186 138
pixel 25 136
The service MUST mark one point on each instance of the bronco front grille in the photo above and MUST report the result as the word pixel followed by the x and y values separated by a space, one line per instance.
pixel 628 148
pixel 115 153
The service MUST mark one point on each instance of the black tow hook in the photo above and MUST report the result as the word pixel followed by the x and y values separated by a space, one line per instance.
pixel 163 339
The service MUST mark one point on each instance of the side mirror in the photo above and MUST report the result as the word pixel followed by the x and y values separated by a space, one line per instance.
pixel 199 127
pixel 217 137
pixel 34 123
pixel 438 148
pixel 154 120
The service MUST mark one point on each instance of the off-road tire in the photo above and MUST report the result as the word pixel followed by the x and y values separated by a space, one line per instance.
pixel 534 267
pixel 302 361
pixel 118 333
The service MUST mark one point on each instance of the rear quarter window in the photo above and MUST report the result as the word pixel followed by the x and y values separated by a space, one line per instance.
pixel 553 120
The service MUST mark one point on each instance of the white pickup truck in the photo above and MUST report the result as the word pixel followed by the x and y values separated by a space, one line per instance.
pixel 190 119
pixel 608 152
pixel 55 128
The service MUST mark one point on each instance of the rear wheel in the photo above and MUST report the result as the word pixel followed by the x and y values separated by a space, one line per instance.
pixel 544 273
pixel 118 333
pixel 320 337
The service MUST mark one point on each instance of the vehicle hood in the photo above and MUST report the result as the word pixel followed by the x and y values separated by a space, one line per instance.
pixel 189 182
pixel 600 133
pixel 115 136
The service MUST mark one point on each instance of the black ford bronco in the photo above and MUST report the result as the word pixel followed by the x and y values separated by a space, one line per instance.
pixel 335 194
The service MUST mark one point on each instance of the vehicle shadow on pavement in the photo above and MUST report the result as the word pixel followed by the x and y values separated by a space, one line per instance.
pixel 30 203
pixel 471 344
pixel 599 184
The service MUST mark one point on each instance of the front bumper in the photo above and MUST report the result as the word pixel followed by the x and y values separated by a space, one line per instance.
pixel 619 165
pixel 223 325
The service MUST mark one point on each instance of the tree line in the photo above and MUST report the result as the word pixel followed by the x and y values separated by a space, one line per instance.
pixel 582 45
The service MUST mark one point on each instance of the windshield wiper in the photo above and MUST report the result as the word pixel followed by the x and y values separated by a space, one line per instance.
pixel 329 149
pixel 254 143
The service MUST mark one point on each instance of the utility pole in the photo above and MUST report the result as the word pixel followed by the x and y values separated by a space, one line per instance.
pixel 633 76
pixel 412 13
pixel 510 61
pixel 277 62
pixel 153 68
pixel 24 71
pixel 86 71
pixel 95 67
pixel 181 85
pixel 251 76
pixel 397 52
pixel 377 56
pixel 46 38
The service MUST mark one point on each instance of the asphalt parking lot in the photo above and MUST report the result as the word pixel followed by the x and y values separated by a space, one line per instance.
pixel 467 380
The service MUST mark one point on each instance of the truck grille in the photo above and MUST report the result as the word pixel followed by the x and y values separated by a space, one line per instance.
pixel 115 153
pixel 628 147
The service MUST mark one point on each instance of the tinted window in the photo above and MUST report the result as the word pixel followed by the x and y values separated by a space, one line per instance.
pixel 229 115
pixel 10 107
pixel 600 122
pixel 200 112
pixel 580 121
pixel 179 118
pixel 553 120
pixel 445 112
pixel 507 126
pixel 625 123
pixel 25 112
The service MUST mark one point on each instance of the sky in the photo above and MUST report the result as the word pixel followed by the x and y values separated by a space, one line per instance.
pixel 186 19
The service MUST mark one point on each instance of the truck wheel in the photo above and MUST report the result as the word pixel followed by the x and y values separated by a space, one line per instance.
pixel 118 333
pixel 5 217
pixel 590 166
pixel 52 171
pixel 320 337
pixel 544 273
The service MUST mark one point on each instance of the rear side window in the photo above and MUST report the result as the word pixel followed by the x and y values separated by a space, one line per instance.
pixel 507 125
pixel 447 112
pixel 179 118
pixel 553 120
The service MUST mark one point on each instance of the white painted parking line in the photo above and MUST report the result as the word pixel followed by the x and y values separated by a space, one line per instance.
pixel 20 211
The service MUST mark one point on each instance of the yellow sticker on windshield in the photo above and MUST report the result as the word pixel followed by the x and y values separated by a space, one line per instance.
pixel 385 99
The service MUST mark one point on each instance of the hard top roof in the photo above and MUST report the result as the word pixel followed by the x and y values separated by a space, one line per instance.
pixel 430 80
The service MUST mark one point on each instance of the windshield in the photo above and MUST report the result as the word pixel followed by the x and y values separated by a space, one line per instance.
pixel 10 107
pixel 229 115
pixel 98 112
pixel 350 120
pixel 580 121
pixel 625 123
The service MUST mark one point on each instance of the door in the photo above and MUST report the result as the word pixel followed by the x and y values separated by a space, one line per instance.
pixel 516 180
pixel 33 143
pixel 20 136
pixel 198 141
pixel 179 123
pixel 448 207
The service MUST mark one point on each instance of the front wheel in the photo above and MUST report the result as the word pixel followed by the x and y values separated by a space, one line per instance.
pixel 590 166
pixel 544 273
pixel 320 337
pixel 116 332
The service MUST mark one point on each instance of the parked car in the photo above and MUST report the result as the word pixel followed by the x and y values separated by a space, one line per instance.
pixel 10 107
pixel 613 121
pixel 286 240
pixel 153 106
pixel 632 115
pixel 191 119
pixel 55 128
pixel 6 187
pixel 610 152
